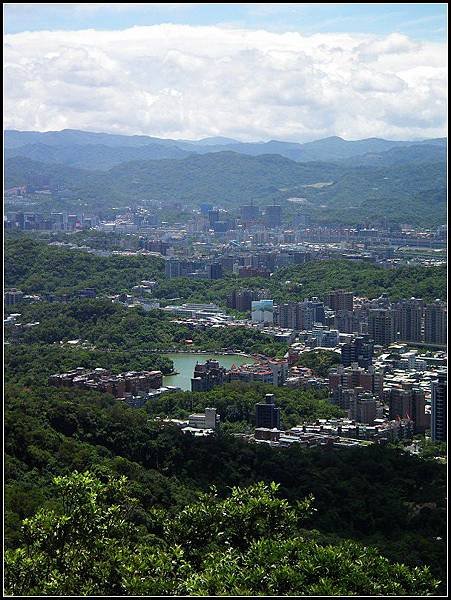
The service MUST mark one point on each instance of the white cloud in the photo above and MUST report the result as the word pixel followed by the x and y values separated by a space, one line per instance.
pixel 189 82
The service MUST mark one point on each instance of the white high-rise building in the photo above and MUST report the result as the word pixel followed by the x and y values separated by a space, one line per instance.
pixel 262 311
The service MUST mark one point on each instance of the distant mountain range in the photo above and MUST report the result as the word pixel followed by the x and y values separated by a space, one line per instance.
pixel 101 151
pixel 333 180
pixel 94 156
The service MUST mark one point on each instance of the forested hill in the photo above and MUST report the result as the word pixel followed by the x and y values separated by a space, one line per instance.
pixel 52 432
pixel 35 267
pixel 38 268
pixel 317 278
pixel 94 157
pixel 415 191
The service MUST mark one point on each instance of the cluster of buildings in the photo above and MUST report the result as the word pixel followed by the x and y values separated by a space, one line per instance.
pixel 242 263
pixel 366 423
pixel 193 269
pixel 210 374
pixel 241 300
pixel 14 328
pixel 413 321
pixel 370 390
pixel 208 313
pixel 303 378
pixel 55 221
pixel 250 240
pixel 255 242
pixel 341 432
pixel 334 433
pixel 197 424
pixel 123 385
pixel 383 390
pixel 14 296
pixel 220 220
pixel 326 433
pixel 269 371
pixel 413 381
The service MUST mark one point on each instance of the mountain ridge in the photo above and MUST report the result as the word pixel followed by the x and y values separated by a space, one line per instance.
pixel 411 192
pixel 76 148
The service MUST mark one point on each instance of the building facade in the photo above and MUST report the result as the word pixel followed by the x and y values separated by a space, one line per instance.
pixel 439 408
pixel 267 414
pixel 381 326
pixel 435 323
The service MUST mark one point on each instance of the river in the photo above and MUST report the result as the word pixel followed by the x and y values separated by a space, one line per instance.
pixel 184 363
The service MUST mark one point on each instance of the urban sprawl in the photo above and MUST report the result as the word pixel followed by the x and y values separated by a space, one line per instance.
pixel 391 378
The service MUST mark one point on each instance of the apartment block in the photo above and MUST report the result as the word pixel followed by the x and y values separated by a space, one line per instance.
pixel 435 323
pixel 381 326
pixel 439 408
pixel 267 414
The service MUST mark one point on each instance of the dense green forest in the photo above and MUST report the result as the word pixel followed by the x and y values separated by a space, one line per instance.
pixel 378 497
pixel 36 267
pixel 317 278
pixel 90 544
pixel 320 361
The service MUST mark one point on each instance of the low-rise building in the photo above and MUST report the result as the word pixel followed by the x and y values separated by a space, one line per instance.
pixel 206 420
pixel 132 382
pixel 13 296
pixel 207 376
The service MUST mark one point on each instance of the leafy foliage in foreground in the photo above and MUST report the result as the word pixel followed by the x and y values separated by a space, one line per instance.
pixel 378 496
pixel 89 545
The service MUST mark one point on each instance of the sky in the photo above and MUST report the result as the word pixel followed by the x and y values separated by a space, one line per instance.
pixel 252 72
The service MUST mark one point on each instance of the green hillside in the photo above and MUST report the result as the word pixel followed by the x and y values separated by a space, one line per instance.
pixel 35 267
pixel 52 432
pixel 414 191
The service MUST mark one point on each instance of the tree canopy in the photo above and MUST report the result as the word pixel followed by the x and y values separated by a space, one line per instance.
pixel 249 543
pixel 377 496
